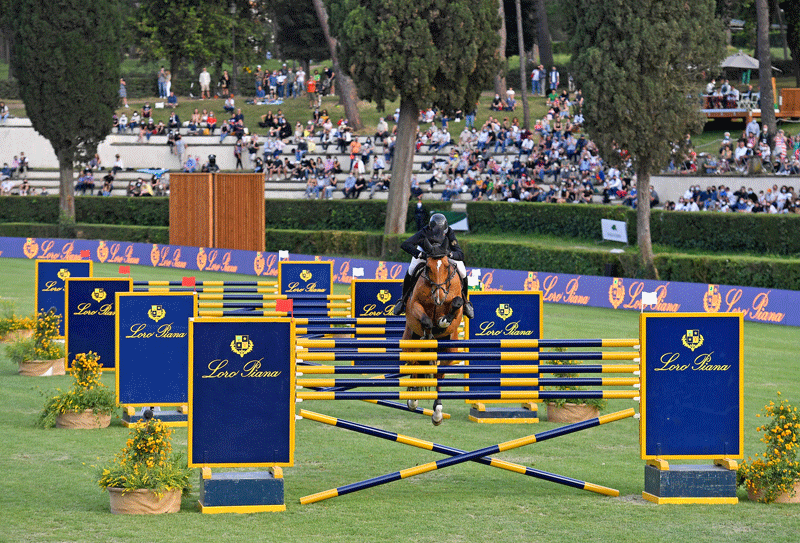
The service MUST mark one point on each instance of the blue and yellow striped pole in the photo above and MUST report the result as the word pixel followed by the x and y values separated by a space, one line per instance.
pixel 493 368
pixel 362 330
pixel 470 381
pixel 462 457
pixel 207 283
pixel 468 395
pixel 466 343
pixel 502 356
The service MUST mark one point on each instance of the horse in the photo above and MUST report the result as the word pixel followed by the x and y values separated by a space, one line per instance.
pixel 434 309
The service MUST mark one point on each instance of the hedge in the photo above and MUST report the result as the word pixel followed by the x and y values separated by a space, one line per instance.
pixel 138 234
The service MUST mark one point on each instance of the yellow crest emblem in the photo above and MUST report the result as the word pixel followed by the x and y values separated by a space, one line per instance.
pixel 202 259
pixel 30 248
pixel 258 263
pixel 531 282
pixel 156 312
pixel 98 294
pixel 384 296
pixel 305 275
pixel 241 345
pixel 504 311
pixel 692 339
pixel 712 299
pixel 155 255
pixel 102 251
pixel 616 292
pixel 63 274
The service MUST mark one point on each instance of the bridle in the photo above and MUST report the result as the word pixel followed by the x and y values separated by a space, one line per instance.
pixel 444 286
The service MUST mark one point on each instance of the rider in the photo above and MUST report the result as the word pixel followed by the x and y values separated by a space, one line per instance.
pixel 438 234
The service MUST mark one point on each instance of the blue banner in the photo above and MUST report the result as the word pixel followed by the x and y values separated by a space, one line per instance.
pixel 691 384
pixel 241 392
pixel 91 317
pixel 505 315
pixel 774 306
pixel 152 344
pixel 298 277
pixel 374 297
pixel 50 278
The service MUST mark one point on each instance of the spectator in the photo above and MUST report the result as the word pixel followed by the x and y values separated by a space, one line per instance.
pixel 211 122
pixel 118 165
pixel 497 103
pixel 123 92
pixel 172 101
pixel 349 186
pixel 230 105
pixel 162 83
pixel 554 79
pixel 205 84
pixel 225 83
pixel 24 188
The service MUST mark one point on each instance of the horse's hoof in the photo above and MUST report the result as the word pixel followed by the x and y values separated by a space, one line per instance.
pixel 437 418
pixel 412 404
pixel 443 323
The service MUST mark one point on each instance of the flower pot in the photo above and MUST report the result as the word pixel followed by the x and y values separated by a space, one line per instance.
pixel 144 501
pixel 571 412
pixel 42 368
pixel 16 335
pixel 82 420
pixel 756 495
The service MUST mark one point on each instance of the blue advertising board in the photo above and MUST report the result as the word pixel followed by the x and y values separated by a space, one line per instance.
pixel 91 317
pixel 691 384
pixel 505 315
pixel 152 347
pixel 50 278
pixel 305 277
pixel 241 392
pixel 374 297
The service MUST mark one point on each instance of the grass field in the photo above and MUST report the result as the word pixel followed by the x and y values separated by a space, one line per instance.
pixel 48 490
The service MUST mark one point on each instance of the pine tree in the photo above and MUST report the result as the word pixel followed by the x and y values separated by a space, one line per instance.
pixel 641 66
pixel 67 60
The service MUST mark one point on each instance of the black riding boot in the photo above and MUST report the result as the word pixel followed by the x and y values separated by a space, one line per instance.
pixel 408 286
pixel 469 312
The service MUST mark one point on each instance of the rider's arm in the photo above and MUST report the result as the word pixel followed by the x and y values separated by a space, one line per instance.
pixel 455 249
pixel 410 245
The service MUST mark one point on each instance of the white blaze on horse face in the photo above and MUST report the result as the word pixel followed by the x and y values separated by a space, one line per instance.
pixel 438 265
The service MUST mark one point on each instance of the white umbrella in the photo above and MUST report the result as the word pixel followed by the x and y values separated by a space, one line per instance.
pixel 740 60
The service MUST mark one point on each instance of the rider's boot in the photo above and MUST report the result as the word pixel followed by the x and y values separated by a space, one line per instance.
pixel 469 312
pixel 408 286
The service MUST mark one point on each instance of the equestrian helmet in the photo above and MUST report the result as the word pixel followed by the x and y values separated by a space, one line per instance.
pixel 438 224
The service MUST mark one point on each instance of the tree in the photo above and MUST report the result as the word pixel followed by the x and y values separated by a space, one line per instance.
pixel 298 32
pixel 522 69
pixel 347 90
pixel 639 62
pixel 791 11
pixel 500 77
pixel 765 69
pixel 438 53
pixel 67 60
pixel 543 36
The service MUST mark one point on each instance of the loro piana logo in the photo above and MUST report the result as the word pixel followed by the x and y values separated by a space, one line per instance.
pixel 384 296
pixel 156 312
pixel 692 339
pixel 241 345
pixel 616 293
pixel 305 275
pixel 712 299
pixel 98 294
pixel 63 274
pixel 504 311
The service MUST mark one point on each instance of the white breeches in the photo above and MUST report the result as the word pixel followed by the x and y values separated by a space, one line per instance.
pixel 462 270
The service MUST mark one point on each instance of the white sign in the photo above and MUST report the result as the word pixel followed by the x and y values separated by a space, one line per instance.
pixel 614 230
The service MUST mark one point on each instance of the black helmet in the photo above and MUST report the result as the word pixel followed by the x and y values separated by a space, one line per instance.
pixel 438 225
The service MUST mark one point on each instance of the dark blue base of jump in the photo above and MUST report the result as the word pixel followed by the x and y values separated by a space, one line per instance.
pixel 241 489
pixel 503 414
pixel 690 481
pixel 163 416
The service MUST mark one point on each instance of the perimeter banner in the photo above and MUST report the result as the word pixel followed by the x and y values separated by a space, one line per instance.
pixel 298 277
pixel 241 392
pixel 152 347
pixel 50 278
pixel 773 306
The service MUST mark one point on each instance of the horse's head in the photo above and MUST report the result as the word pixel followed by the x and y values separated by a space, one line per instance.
pixel 438 272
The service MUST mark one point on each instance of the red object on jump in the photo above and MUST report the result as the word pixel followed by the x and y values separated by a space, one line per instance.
pixel 188 282
pixel 285 305
pixel 86 253
pixel 124 269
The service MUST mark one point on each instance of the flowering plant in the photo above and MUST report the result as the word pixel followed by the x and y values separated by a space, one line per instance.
pixel 599 403
pixel 42 345
pixel 777 470
pixel 146 462
pixel 10 321
pixel 87 392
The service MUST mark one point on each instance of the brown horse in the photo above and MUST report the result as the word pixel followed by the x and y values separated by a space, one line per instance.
pixel 434 309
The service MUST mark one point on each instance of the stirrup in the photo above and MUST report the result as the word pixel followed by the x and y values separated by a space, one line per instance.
pixel 469 312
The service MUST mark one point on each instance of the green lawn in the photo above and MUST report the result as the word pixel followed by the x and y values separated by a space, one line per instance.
pixel 49 493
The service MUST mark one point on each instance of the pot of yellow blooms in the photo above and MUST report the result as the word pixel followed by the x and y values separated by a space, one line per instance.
pixel 775 475
pixel 12 326
pixel 570 410
pixel 145 477
pixel 40 355
pixel 88 404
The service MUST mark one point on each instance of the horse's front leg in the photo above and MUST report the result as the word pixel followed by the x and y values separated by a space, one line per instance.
pixel 455 305
pixel 414 309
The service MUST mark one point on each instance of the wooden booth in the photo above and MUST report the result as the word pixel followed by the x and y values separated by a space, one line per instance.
pixel 220 210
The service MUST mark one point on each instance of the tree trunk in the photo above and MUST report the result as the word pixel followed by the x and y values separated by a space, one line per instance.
pixel 400 187
pixel 543 36
pixel 347 89
pixel 647 260
pixel 765 69
pixel 523 69
pixel 66 192
pixel 500 78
